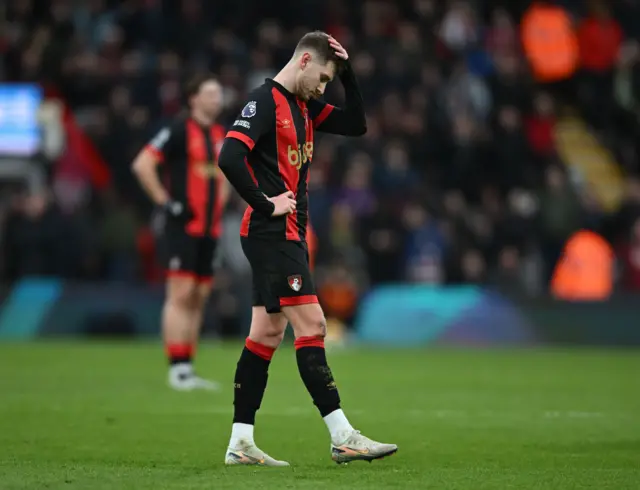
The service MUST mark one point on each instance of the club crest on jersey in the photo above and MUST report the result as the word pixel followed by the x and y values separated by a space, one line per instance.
pixel 249 110
pixel 295 282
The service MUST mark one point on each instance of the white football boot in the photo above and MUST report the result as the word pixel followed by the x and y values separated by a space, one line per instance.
pixel 182 378
pixel 245 452
pixel 356 447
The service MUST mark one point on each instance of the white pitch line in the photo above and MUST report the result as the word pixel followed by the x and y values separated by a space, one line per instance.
pixel 310 411
pixel 573 415
pixel 444 413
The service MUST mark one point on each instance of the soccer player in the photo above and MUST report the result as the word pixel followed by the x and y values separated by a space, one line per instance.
pixel 192 206
pixel 266 157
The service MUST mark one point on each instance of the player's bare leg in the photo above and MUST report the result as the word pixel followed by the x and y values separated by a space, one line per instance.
pixel 177 330
pixel 200 298
pixel 265 335
pixel 347 444
pixel 203 291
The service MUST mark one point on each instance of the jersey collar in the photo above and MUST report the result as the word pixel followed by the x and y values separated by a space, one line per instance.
pixel 281 88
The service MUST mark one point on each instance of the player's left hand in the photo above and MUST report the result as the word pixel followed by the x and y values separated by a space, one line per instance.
pixel 338 48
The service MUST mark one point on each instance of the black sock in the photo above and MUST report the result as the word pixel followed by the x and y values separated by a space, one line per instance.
pixel 316 375
pixel 250 381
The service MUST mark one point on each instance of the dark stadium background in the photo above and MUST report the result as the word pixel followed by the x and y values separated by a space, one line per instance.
pixel 452 185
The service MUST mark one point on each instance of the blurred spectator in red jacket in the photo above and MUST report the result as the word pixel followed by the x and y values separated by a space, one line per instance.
pixel 629 256
pixel 540 126
pixel 599 38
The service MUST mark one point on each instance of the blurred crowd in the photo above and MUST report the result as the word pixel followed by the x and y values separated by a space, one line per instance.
pixel 457 180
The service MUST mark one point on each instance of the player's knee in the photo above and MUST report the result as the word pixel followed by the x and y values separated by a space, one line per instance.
pixel 198 302
pixel 201 295
pixel 316 327
pixel 307 320
pixel 183 296
pixel 270 335
pixel 267 329
pixel 269 339
pixel 322 327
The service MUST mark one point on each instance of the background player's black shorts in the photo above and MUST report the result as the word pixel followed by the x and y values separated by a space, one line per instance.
pixel 186 255
pixel 281 275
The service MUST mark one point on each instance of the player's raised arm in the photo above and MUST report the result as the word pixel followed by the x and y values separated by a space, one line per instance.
pixel 349 120
pixel 256 119
pixel 145 166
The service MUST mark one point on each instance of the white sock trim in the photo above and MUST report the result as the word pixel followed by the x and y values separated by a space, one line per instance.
pixel 338 425
pixel 241 432
pixel 180 370
pixel 181 366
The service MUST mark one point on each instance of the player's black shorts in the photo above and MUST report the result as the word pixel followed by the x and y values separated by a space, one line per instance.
pixel 281 275
pixel 187 255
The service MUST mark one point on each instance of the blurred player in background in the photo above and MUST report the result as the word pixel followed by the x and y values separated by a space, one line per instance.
pixel 192 205
pixel 266 157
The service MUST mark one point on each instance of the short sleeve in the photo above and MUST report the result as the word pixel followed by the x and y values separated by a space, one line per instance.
pixel 319 111
pixel 164 142
pixel 256 118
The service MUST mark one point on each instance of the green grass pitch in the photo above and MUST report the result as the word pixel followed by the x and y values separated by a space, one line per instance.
pixel 94 416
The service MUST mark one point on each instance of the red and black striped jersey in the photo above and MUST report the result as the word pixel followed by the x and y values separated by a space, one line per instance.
pixel 277 129
pixel 190 154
